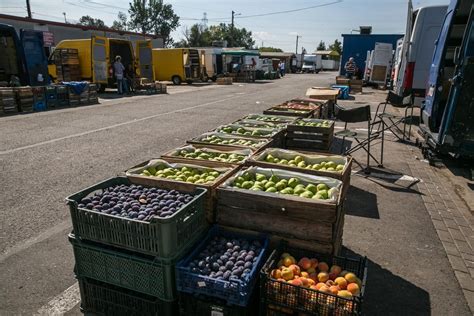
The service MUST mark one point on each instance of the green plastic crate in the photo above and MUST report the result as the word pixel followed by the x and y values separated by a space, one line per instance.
pixel 98 298
pixel 139 273
pixel 161 237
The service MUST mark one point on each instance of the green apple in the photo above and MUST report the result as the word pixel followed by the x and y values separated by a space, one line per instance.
pixel 293 182
pixel 307 194
pixel 312 188
pixel 322 186
pixel 298 159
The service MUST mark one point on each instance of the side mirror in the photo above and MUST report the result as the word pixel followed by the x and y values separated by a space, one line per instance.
pixel 456 55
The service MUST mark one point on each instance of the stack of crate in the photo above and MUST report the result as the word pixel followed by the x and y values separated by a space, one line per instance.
pixel 356 86
pixel 7 101
pixel 126 266
pixel 39 98
pixel 93 97
pixel 62 95
pixel 79 99
pixel 24 98
pixel 67 64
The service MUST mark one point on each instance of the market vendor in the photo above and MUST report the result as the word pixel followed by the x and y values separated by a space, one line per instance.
pixel 350 67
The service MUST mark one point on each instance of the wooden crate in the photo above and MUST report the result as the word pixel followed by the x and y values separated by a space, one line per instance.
pixel 210 201
pixel 310 137
pixel 224 81
pixel 168 156
pixel 356 86
pixel 287 112
pixel 342 80
pixel 282 215
pixel 8 103
pixel 198 142
pixel 258 160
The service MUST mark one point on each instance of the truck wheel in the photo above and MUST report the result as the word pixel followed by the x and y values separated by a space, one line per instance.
pixel 176 80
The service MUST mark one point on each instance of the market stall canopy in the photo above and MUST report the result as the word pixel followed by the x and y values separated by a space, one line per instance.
pixel 279 55
pixel 240 52
pixel 327 53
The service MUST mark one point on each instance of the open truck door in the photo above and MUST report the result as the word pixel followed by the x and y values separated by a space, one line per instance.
pixel 99 59
pixel 36 61
pixel 145 59
pixel 404 53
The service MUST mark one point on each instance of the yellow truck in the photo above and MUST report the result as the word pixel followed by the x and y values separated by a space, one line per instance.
pixel 177 65
pixel 97 55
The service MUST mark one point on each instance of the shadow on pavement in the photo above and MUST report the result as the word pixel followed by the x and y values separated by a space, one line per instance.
pixel 389 294
pixel 362 203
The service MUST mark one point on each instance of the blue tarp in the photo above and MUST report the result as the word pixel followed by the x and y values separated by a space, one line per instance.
pixel 76 86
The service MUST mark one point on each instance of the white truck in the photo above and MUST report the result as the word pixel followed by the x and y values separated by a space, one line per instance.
pixel 312 63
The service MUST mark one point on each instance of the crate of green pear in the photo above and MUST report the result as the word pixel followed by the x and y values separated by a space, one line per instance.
pixel 288 112
pixel 230 141
pixel 181 176
pixel 247 131
pixel 260 124
pixel 281 202
pixel 311 126
pixel 225 158
pixel 270 118
pixel 320 164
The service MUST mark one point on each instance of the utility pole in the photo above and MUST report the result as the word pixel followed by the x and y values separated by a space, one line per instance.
pixel 65 20
pixel 28 8
pixel 232 30
pixel 297 37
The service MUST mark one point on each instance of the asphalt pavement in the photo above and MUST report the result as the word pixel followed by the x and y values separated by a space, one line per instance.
pixel 47 156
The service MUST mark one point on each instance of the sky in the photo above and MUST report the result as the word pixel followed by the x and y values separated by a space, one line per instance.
pixel 325 21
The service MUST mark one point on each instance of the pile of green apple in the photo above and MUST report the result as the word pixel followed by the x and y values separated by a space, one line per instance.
pixel 256 124
pixel 274 184
pixel 324 123
pixel 198 153
pixel 184 174
pixel 240 130
pixel 300 162
pixel 214 139
pixel 267 118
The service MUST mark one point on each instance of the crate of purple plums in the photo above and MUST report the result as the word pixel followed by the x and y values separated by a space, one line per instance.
pixel 224 265
pixel 152 220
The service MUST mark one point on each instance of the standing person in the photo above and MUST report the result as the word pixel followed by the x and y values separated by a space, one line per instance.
pixel 254 63
pixel 130 79
pixel 350 67
pixel 282 68
pixel 118 72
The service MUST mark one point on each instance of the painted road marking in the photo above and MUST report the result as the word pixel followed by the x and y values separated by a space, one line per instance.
pixel 9 151
pixel 62 303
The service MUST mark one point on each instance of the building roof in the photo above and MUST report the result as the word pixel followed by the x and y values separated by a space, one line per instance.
pixel 276 54
pixel 326 52
pixel 78 26
pixel 240 52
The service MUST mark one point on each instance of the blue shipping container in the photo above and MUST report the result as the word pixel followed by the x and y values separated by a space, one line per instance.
pixel 357 45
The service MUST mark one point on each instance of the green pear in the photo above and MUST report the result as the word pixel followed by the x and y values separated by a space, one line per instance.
pixel 260 177
pixel 298 159
pixel 247 184
pixel 307 194
pixel 312 188
pixel 271 189
pixel 274 179
pixel 322 186
pixel 293 182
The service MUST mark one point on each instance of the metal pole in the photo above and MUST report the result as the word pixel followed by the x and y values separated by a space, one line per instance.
pixel 297 37
pixel 232 30
pixel 28 8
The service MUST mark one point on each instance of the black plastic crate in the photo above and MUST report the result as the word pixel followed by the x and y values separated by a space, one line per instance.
pixel 285 297
pixel 98 298
pixel 201 305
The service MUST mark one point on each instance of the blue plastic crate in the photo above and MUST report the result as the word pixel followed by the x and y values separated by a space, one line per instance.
pixel 236 292
pixel 343 91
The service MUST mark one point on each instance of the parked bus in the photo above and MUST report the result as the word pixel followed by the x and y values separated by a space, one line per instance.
pixel 177 65
pixel 97 55
pixel 447 114
pixel 423 26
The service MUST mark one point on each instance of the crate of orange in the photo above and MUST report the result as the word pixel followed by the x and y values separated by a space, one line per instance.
pixel 299 281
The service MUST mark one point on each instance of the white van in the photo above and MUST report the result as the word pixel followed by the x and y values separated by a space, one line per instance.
pixel 423 27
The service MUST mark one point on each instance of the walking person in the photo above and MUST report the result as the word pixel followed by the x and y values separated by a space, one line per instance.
pixel 282 68
pixel 350 67
pixel 118 72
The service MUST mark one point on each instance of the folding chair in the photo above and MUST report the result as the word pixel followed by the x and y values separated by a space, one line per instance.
pixel 363 138
pixel 394 120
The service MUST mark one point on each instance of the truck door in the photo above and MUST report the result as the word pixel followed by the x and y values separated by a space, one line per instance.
pixel 36 61
pixel 457 124
pixel 404 54
pixel 99 59
pixel 144 59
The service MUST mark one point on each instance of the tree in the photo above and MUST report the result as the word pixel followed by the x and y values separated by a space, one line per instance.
pixel 155 17
pixel 321 46
pixel 270 49
pixel 336 46
pixel 121 24
pixel 90 21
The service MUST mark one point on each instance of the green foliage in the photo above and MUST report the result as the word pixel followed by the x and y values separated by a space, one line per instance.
pixel 270 49
pixel 321 46
pixel 121 24
pixel 336 46
pixel 90 21
pixel 198 36
pixel 153 16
